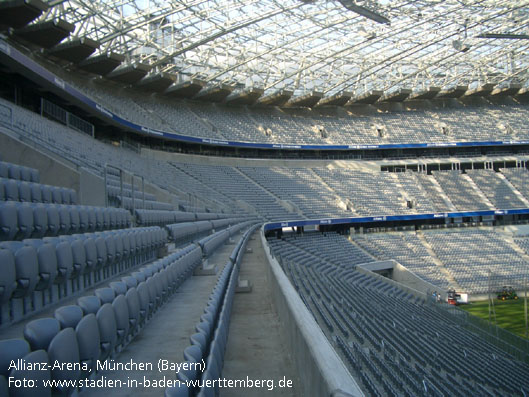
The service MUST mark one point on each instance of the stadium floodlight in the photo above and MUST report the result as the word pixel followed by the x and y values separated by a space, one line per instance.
pixel 511 36
pixel 365 12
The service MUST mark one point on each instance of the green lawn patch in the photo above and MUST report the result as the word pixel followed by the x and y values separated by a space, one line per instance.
pixel 509 314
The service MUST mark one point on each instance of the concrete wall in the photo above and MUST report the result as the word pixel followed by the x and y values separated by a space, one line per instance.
pixel 54 171
pixel 92 189
pixel 320 369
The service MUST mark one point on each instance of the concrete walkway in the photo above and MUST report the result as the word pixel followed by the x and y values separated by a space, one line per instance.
pixel 164 337
pixel 255 349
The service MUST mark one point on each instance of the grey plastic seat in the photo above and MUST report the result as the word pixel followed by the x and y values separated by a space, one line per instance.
pixel 26 267
pixel 39 376
pixel 90 255
pixel 36 192
pixel 13 171
pixel 121 312
pixel 8 221
pixel 40 221
pixel 101 252
pixel 106 321
pixel 46 194
pixel 65 268
pixel 53 220
pixel 56 195
pixel 40 332
pixel 89 304
pixel 133 304
pixel 84 220
pixel 10 189
pixel 100 222
pixel 193 353
pixel 25 174
pixel 199 339
pixel 187 373
pixel 145 302
pixel 8 281
pixel 69 316
pixel 119 287
pixel 47 260
pixel 105 295
pixel 25 221
pixel 92 219
pixel 24 191
pixel 130 281
pixel 12 349
pixel 87 331
pixel 35 176
pixel 66 195
pixel 4 169
pixel 78 256
pixel 65 222
pixel 64 349
pixel 74 219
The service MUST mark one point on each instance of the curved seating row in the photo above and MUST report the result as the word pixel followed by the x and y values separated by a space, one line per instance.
pixel 39 272
pixel 162 218
pixel 115 191
pixel 19 172
pixel 210 243
pixel 186 232
pixel 32 192
pixel 97 328
pixel 29 220
pixel 209 342
pixel 138 203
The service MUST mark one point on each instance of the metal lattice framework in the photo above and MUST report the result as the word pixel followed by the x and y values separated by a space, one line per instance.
pixel 316 45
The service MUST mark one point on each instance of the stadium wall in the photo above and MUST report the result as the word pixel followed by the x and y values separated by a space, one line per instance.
pixel 89 187
pixel 320 369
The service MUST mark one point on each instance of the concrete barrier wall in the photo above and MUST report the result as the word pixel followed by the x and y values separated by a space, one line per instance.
pixel 320 369
pixel 90 188
pixel 52 171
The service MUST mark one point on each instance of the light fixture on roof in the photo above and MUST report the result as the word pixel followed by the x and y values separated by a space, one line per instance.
pixel 511 36
pixel 460 45
pixel 365 12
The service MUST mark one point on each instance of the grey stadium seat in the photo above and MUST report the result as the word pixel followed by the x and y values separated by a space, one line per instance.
pixel 39 376
pixel 64 349
pixel 8 221
pixel 89 304
pixel 12 349
pixel 8 281
pixel 69 316
pixel 106 321
pixel 87 331
pixel 121 312
pixel 40 332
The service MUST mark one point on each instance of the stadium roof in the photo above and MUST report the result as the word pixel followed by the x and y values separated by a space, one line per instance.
pixel 304 47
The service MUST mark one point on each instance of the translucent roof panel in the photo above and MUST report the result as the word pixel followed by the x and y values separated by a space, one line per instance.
pixel 324 46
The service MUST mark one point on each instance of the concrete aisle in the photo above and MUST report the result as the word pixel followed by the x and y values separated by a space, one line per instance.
pixel 165 336
pixel 255 348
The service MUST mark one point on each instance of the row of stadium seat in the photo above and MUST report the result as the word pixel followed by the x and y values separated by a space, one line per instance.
pixel 29 220
pixel 185 232
pixel 19 172
pixel 208 344
pixel 97 328
pixel 39 272
pixel 114 192
pixel 128 204
pixel 31 192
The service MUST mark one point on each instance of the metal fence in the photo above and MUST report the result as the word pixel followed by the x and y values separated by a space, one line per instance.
pixel 54 111
pixel 499 337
